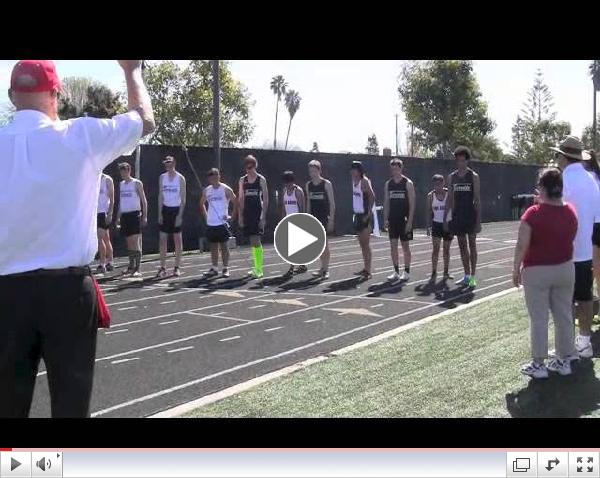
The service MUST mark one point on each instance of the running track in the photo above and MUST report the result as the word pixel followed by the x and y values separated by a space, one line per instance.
pixel 173 341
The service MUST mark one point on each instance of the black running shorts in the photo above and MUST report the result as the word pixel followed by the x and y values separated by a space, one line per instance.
pixel 169 217
pixel 131 223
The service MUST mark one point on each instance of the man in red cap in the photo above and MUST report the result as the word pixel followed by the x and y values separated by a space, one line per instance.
pixel 48 204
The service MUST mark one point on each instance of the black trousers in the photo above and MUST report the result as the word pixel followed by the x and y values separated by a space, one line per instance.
pixel 52 318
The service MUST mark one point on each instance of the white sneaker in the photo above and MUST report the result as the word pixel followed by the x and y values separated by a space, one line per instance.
pixel 583 345
pixel 535 370
pixel 405 277
pixel 395 277
pixel 225 272
pixel 136 274
pixel 211 272
pixel 569 358
pixel 562 367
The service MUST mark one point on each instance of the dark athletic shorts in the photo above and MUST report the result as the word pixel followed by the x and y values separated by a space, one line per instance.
pixel 252 226
pixel 584 282
pixel 596 235
pixel 361 222
pixel 131 223
pixel 462 226
pixel 218 234
pixel 101 221
pixel 397 228
pixel 437 230
pixel 169 215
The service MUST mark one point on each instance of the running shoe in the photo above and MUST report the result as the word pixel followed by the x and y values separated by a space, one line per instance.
pixel 289 272
pixel 405 277
pixel 101 269
pixel 561 367
pixel 472 282
pixel 583 345
pixel 366 275
pixel 255 274
pixel 176 272
pixel 301 269
pixel 225 272
pixel 110 267
pixel 395 277
pixel 464 281
pixel 535 370
pixel 127 272
pixel 448 277
pixel 433 278
pixel 211 272
pixel 162 273
pixel 136 274
pixel 321 273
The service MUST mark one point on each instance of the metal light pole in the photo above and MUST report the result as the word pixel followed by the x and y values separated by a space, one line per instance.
pixel 216 113
pixel 396 134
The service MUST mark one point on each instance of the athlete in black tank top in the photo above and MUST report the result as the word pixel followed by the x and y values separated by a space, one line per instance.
pixel 398 215
pixel 321 204
pixel 465 204
pixel 254 200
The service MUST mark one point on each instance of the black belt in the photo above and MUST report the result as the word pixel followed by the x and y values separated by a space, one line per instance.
pixel 69 271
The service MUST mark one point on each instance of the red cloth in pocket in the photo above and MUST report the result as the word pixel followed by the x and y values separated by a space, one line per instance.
pixel 104 317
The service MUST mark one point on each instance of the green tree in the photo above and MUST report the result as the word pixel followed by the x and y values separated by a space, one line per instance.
pixel 594 69
pixel 315 147
pixel 442 102
pixel 372 145
pixel 539 101
pixel 586 137
pixel 82 96
pixel 278 87
pixel 7 111
pixel 292 103
pixel 536 130
pixel 182 104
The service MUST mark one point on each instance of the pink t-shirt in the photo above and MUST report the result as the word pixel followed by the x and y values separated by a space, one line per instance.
pixel 553 230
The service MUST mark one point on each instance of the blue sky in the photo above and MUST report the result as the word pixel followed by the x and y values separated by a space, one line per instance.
pixel 344 101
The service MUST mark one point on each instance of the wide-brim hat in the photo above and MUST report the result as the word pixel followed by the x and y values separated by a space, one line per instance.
pixel 571 147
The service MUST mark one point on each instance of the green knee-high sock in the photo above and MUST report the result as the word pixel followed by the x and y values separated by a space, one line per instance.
pixel 257 252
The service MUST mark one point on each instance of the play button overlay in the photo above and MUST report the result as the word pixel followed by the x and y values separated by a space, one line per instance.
pixel 14 464
pixel 300 239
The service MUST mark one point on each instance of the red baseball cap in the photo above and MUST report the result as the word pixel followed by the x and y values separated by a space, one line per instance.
pixel 34 76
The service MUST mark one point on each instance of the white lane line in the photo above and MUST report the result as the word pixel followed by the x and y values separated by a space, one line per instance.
pixel 285 353
pixel 376 306
pixel 115 362
pixel 182 349
pixel 273 329
pixel 169 294
pixel 115 331
pixel 257 306
pixel 218 317
pixel 212 332
pixel 169 322
pixel 409 298
pixel 275 272
pixel 127 308
pixel 168 302
pixel 218 313
pixel 498 277
pixel 311 320
pixel 235 337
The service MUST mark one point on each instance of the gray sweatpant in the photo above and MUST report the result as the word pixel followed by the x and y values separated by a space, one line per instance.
pixel 550 288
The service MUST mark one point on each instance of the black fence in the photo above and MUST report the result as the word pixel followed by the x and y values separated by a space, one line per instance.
pixel 499 183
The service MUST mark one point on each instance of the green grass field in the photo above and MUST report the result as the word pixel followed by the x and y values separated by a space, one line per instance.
pixel 463 365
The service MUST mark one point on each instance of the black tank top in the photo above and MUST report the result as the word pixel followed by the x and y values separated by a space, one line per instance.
pixel 252 191
pixel 462 190
pixel 399 204
pixel 319 201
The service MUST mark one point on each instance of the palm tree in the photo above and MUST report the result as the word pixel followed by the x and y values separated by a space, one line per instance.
pixel 292 103
pixel 278 87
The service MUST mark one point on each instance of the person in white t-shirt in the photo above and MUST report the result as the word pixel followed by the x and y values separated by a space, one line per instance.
pixel 51 172
pixel 214 206
pixel 171 204
pixel 291 202
pixel 106 204
pixel 581 191
pixel 132 217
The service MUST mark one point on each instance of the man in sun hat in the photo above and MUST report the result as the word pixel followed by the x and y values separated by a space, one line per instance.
pixel 48 203
pixel 581 190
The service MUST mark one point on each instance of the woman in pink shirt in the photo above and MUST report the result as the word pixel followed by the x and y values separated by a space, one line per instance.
pixel 544 265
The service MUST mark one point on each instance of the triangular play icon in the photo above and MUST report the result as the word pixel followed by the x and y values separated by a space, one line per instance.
pixel 298 239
